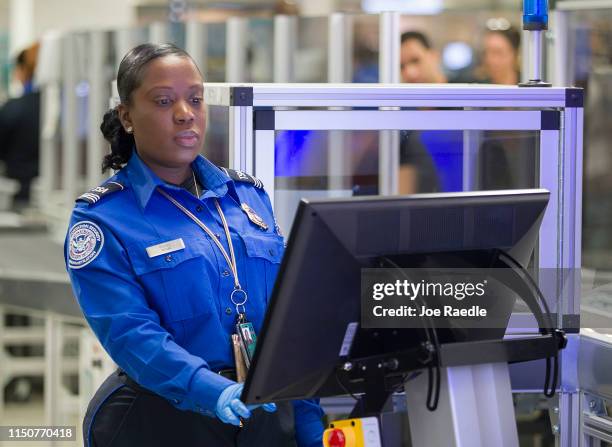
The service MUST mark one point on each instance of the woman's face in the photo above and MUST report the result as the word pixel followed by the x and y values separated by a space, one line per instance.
pixel 499 56
pixel 167 114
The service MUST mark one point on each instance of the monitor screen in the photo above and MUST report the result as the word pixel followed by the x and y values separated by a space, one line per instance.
pixel 317 291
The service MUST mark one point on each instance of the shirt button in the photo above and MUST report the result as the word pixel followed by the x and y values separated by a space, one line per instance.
pixel 218 235
pixel 225 273
pixel 168 258
pixel 199 208
pixel 228 310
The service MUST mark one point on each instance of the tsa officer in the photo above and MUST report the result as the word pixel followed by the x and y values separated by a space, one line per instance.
pixel 167 259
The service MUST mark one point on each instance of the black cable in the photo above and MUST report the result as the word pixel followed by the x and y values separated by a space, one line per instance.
pixel 343 386
pixel 537 293
pixel 433 390
pixel 524 274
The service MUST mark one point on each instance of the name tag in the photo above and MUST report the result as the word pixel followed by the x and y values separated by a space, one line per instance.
pixel 165 247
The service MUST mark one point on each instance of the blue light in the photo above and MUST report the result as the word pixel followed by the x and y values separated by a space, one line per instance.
pixel 535 14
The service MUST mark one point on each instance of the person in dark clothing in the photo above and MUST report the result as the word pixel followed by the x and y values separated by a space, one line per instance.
pixel 19 130
pixel 418 173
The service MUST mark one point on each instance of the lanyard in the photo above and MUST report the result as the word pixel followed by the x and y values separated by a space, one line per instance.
pixel 238 292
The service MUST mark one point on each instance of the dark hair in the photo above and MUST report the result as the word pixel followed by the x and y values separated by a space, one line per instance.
pixel 418 36
pixel 512 35
pixel 129 77
pixel 20 60
pixel 26 61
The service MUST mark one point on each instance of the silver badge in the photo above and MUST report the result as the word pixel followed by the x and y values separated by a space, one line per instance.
pixel 254 217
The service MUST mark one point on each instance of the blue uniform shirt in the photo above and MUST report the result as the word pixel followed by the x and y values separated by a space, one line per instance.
pixel 166 319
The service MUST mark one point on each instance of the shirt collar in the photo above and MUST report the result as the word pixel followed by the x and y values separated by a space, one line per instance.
pixel 145 181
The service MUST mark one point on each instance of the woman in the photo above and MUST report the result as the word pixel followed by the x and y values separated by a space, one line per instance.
pixel 164 258
pixel 501 56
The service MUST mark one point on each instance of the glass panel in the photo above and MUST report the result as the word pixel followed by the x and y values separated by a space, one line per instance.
pixel 176 33
pixel 312 52
pixel 216 141
pixel 82 57
pixel 260 51
pixel 366 36
pixel 590 67
pixel 216 41
pixel 5 66
pixel 458 37
pixel 124 40
pixel 346 163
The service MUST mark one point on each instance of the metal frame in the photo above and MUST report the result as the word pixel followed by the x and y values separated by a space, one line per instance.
pixel 555 112
pixel 475 408
pixel 596 388
pixel 285 44
pixel 581 5
pixel 97 105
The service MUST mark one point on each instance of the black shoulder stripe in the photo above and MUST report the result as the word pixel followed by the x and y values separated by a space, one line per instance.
pixel 239 176
pixel 95 194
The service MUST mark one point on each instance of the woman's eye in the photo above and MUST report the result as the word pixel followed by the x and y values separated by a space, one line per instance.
pixel 162 101
pixel 197 100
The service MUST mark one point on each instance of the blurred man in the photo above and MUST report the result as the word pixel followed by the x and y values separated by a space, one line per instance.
pixel 420 63
pixel 19 129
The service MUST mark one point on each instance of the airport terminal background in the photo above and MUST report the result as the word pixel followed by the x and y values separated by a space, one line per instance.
pixel 57 61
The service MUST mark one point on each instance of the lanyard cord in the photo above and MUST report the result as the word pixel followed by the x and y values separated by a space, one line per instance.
pixel 231 258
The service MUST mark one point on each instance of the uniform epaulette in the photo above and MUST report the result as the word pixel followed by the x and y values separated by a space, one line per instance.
pixel 95 194
pixel 239 176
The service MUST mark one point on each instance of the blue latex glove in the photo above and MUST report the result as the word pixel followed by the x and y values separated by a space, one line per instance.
pixel 230 408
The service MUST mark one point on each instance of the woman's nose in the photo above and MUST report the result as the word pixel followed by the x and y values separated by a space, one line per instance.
pixel 183 113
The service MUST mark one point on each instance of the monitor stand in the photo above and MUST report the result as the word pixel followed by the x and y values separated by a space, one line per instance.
pixel 475 408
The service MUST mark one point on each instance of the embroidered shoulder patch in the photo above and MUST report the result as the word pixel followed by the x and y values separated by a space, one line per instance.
pixel 240 176
pixel 95 194
pixel 85 243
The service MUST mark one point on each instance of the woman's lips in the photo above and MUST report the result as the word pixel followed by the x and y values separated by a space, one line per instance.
pixel 187 139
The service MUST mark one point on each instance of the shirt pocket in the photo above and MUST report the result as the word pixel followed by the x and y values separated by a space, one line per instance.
pixel 265 252
pixel 179 284
pixel 268 246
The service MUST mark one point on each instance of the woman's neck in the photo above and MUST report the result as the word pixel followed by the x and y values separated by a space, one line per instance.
pixel 174 175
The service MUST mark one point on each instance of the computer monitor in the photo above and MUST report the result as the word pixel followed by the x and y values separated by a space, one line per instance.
pixel 317 291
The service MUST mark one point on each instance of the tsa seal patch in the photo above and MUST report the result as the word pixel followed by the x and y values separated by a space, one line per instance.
pixel 85 243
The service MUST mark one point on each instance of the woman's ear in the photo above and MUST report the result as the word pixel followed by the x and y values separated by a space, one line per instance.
pixel 124 117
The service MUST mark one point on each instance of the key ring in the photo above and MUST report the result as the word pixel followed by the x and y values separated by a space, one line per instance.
pixel 234 301
pixel 241 310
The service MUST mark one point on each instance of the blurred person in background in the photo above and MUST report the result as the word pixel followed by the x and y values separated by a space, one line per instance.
pixel 500 62
pixel 19 129
pixel 506 158
pixel 419 63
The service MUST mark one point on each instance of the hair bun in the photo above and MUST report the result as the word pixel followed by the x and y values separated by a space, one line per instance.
pixel 111 126
pixel 121 142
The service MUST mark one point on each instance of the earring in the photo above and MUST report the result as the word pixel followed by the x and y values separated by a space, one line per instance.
pixel 129 129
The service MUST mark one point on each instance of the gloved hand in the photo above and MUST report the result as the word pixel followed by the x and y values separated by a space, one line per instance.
pixel 230 408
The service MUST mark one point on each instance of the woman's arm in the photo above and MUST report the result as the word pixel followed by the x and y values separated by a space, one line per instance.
pixel 308 423
pixel 115 305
